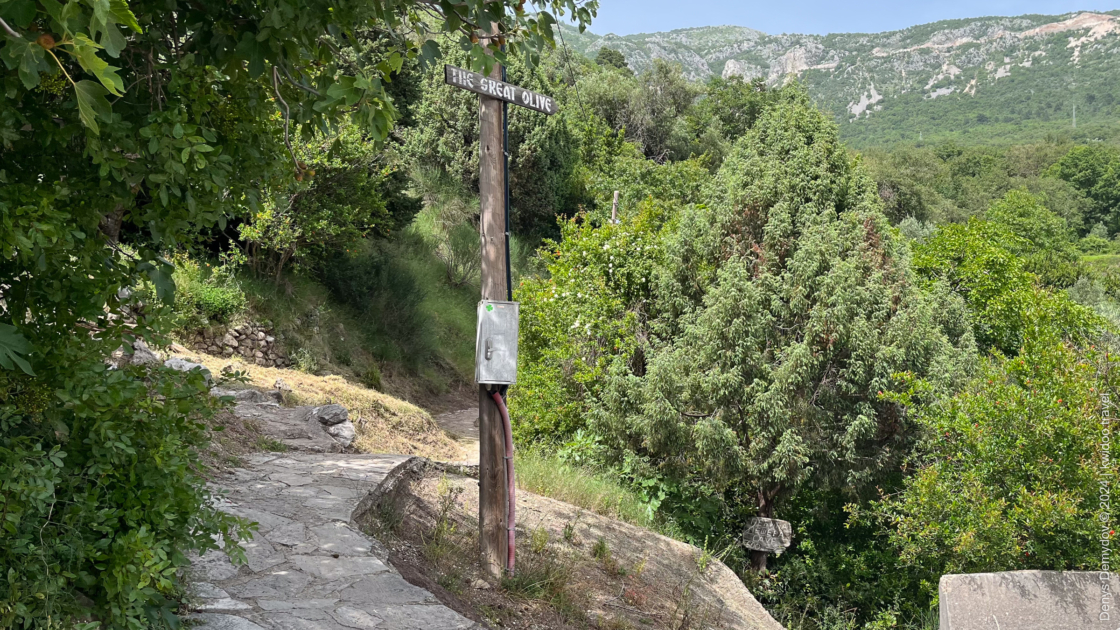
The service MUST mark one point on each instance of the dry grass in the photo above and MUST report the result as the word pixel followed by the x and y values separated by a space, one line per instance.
pixel 384 424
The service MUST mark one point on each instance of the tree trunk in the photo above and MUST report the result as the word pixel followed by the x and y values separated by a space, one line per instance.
pixel 758 561
pixel 111 224
pixel 765 510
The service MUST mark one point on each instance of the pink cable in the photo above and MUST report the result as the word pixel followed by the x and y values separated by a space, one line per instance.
pixel 511 511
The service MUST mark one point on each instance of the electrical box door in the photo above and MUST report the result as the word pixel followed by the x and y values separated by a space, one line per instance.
pixel 495 357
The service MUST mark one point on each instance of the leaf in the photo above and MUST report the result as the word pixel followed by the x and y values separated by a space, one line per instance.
pixel 19 13
pixel 113 41
pixel 54 9
pixel 92 104
pixel 119 9
pixel 12 345
pixel 85 49
pixel 28 57
pixel 253 52
pixel 159 272
pixel 429 53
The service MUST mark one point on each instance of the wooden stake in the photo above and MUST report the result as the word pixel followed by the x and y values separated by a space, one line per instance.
pixel 614 209
pixel 492 535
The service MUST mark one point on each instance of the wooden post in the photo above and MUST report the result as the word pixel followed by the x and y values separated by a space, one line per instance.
pixel 493 494
pixel 492 535
pixel 614 209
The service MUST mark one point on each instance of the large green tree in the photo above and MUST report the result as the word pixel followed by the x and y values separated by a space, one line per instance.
pixel 1095 171
pixel 978 261
pixel 741 348
pixel 126 129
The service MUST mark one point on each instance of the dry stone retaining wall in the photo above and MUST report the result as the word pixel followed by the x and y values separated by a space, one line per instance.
pixel 252 342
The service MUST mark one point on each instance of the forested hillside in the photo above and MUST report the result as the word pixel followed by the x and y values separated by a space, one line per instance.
pixel 983 80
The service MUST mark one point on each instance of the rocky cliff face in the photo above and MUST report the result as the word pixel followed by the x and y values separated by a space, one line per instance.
pixel 1073 58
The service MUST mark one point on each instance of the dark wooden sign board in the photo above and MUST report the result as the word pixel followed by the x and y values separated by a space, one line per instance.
pixel 500 90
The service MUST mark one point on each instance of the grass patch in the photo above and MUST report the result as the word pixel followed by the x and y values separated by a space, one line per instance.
pixel 1102 261
pixel 590 489
pixel 450 309
pixel 539 576
pixel 272 445
pixel 385 317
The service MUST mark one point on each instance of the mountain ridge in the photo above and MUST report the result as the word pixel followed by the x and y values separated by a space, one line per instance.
pixel 1021 75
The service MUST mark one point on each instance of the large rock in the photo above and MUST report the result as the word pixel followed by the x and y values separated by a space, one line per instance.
pixel 343 432
pixel 1029 600
pixel 674 578
pixel 249 396
pixel 183 365
pixel 143 355
pixel 330 415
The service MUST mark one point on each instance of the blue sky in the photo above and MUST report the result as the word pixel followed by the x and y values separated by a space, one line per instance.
pixel 624 17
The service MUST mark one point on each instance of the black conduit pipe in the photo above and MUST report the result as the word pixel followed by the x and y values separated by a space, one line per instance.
pixel 511 486
pixel 505 172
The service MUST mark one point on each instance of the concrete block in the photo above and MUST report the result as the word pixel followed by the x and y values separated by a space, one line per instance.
pixel 1029 600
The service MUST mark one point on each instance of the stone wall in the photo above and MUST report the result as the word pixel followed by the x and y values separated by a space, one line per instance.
pixel 251 342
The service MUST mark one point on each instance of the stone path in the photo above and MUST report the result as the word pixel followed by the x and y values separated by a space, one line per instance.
pixel 309 566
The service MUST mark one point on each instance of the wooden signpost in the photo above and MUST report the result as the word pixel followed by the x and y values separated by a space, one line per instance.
pixel 494 88
pixel 493 185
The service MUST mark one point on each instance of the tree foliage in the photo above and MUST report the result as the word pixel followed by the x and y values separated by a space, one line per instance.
pixel 613 58
pixel 977 261
pixel 102 495
pixel 542 149
pixel 1010 469
pixel 745 353
pixel 1095 171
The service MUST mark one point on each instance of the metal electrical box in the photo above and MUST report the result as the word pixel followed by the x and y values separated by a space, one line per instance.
pixel 495 352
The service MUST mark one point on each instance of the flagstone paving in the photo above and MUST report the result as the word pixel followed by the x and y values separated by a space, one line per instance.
pixel 309 566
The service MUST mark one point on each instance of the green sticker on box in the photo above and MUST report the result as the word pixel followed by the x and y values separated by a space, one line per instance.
pixel 489 307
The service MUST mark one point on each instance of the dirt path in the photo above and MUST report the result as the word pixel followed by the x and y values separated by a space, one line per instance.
pixel 463 426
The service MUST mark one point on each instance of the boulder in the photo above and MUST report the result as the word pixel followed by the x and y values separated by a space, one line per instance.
pixel 1029 600
pixel 343 432
pixel 330 415
pixel 249 396
pixel 183 365
pixel 143 355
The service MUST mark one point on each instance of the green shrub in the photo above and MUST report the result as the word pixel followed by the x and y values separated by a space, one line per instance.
pixel 101 492
pixel 371 377
pixel 1009 474
pixel 205 294
pixel 305 360
pixel 977 261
